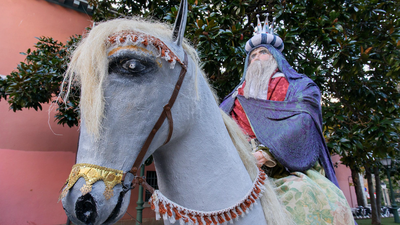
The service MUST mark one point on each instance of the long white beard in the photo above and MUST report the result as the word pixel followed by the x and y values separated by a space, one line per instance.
pixel 258 75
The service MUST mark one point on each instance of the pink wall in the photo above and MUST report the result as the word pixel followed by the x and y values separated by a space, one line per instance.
pixel 30 184
pixel 35 162
pixel 23 20
pixel 343 174
pixel 29 130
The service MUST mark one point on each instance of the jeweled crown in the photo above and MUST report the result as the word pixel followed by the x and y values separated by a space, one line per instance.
pixel 264 34
pixel 266 28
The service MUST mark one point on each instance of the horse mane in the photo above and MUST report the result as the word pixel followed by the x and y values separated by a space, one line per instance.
pixel 89 68
pixel 274 211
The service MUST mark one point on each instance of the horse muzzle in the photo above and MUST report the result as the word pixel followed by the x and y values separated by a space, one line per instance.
pixel 95 195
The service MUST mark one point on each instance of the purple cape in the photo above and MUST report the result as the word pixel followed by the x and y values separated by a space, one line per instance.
pixel 291 129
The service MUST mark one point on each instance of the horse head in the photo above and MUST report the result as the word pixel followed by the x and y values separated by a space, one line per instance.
pixel 124 68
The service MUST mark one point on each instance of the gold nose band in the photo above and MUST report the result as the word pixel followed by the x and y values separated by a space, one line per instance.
pixel 92 174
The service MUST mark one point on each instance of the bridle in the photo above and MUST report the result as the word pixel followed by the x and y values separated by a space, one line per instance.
pixel 158 202
pixel 166 113
pixel 111 177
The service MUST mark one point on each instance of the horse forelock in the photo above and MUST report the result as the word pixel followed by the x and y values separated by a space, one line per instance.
pixel 89 62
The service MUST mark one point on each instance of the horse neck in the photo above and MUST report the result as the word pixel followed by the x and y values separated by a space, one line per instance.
pixel 202 166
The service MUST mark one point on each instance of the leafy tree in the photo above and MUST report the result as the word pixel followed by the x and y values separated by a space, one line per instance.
pixel 37 80
pixel 352 48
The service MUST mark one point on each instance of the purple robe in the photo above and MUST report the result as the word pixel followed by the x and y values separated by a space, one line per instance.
pixel 291 129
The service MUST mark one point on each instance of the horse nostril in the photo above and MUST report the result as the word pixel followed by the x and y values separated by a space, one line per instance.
pixel 85 209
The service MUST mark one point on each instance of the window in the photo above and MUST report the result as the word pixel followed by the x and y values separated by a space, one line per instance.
pixel 151 179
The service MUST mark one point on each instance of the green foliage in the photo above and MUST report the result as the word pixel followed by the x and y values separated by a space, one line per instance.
pixel 37 80
pixel 363 125
pixel 216 29
pixel 3 86
pixel 351 49
pixel 109 9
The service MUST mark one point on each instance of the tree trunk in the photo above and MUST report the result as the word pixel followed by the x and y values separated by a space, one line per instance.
pixel 378 193
pixel 371 191
pixel 358 187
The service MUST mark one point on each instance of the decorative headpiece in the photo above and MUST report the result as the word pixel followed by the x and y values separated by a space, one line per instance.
pixel 134 39
pixel 92 174
pixel 264 35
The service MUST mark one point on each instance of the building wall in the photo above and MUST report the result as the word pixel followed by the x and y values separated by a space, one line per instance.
pixel 23 20
pixel 36 154
pixel 343 175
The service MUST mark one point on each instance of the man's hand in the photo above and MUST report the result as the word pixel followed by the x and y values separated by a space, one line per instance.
pixel 264 158
pixel 260 158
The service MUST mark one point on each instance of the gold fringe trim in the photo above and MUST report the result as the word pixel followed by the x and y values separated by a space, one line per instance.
pixel 93 173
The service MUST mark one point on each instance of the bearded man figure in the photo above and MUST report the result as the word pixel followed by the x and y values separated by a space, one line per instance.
pixel 280 111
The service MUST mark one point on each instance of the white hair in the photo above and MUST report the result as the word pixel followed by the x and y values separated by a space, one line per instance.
pixel 258 75
pixel 274 211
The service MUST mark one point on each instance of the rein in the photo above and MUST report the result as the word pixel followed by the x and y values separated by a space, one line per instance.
pixel 166 113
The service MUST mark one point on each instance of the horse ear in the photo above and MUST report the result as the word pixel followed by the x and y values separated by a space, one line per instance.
pixel 180 23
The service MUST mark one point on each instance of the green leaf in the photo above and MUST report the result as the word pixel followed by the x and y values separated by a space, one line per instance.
pixel 344 140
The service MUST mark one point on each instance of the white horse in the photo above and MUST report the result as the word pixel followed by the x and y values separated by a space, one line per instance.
pixel 128 70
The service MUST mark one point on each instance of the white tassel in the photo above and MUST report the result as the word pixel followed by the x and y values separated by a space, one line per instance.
pixel 243 212
pixel 209 217
pixel 251 206
pixel 191 222
pixel 215 218
pixel 157 210
pixel 202 219
pixel 172 66
pixel 250 199
pixel 229 214
pixel 165 217
pixel 172 219
pixel 158 217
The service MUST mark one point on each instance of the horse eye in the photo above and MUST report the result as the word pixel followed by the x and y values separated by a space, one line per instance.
pixel 133 65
